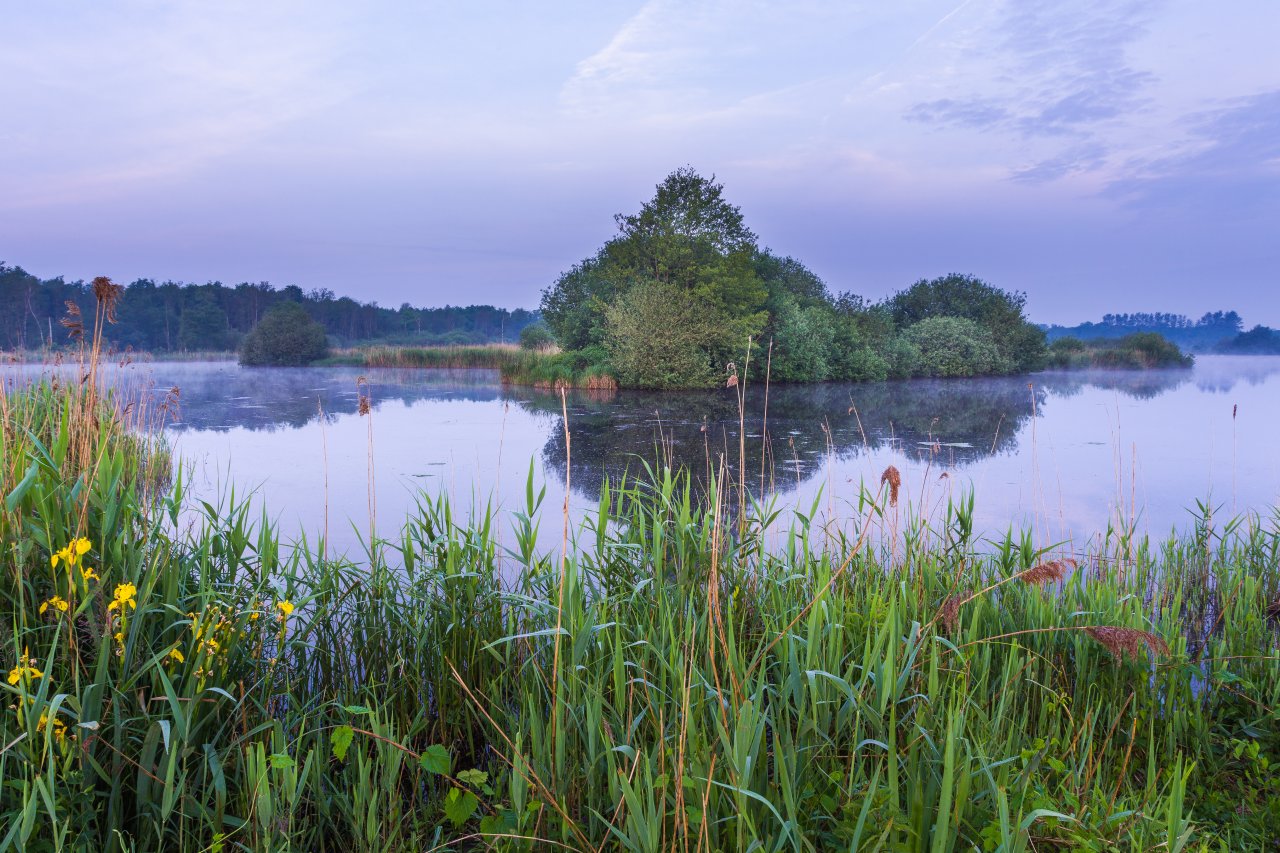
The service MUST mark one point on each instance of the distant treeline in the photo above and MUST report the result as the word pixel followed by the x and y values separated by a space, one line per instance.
pixel 1260 340
pixel 172 316
pixel 1213 331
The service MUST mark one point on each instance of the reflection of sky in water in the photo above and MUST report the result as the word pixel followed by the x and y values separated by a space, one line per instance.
pixel 1101 445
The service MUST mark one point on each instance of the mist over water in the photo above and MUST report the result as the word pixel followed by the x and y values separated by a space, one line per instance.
pixel 1063 453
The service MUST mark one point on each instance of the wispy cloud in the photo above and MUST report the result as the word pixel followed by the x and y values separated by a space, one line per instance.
pixel 1233 171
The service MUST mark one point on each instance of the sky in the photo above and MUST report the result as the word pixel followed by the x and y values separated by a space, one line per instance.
pixel 1100 156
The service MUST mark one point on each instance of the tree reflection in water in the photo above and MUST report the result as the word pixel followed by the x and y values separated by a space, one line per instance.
pixel 954 421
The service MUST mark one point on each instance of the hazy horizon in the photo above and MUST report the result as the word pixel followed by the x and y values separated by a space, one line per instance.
pixel 1103 157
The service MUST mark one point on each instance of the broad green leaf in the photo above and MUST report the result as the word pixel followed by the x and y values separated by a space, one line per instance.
pixel 341 741
pixel 435 759
pixel 460 805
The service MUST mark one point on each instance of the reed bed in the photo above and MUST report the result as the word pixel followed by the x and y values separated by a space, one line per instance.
pixel 548 369
pixel 667 678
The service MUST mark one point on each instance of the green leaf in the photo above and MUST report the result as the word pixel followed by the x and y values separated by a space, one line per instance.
pixel 460 805
pixel 280 760
pixel 474 778
pixel 357 709
pixel 341 741
pixel 435 759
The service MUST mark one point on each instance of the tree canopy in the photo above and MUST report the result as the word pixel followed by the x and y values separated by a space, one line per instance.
pixel 675 296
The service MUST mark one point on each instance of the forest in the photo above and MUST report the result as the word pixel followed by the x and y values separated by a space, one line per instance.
pixel 175 317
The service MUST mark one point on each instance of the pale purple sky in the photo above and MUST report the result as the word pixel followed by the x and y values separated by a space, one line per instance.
pixel 1102 156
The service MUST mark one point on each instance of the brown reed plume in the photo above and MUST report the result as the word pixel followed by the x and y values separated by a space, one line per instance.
pixel 1048 572
pixel 73 322
pixel 894 479
pixel 108 293
pixel 1128 641
pixel 1273 609
pixel 362 389
pixel 949 612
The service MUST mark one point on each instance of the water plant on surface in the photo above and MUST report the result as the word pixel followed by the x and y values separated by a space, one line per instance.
pixel 674 675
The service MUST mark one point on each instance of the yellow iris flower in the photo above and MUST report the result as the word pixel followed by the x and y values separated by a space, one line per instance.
pixel 27 670
pixel 59 728
pixel 285 608
pixel 57 602
pixel 72 554
pixel 124 597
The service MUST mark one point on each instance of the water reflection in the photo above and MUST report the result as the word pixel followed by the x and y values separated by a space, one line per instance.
pixel 1070 447
pixel 960 420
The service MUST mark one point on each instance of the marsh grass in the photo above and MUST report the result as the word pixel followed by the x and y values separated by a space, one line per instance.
pixel 674 676
pixel 548 369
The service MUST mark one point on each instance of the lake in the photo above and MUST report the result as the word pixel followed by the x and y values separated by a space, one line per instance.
pixel 1063 453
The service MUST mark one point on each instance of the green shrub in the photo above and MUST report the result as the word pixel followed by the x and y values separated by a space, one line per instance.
pixel 285 337
pixel 658 336
pixel 954 346
pixel 536 337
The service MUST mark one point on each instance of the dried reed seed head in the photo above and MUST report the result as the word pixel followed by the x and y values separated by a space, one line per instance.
pixel 1128 641
pixel 1054 570
pixel 949 612
pixel 732 381
pixel 73 322
pixel 894 479
pixel 108 293
pixel 364 403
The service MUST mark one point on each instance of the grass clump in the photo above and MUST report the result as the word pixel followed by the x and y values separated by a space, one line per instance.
pixel 539 368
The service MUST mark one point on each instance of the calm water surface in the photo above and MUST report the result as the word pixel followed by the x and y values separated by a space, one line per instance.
pixel 1063 453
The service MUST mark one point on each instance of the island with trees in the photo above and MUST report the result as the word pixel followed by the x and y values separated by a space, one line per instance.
pixel 675 298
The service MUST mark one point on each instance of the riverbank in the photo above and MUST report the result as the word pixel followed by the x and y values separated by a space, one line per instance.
pixel 661 678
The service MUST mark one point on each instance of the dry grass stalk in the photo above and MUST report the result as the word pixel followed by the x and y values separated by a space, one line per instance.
pixel 1128 641
pixel 894 479
pixel 1049 572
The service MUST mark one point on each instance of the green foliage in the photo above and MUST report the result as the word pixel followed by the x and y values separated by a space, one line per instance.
pixel 1139 351
pixel 659 336
pixel 689 243
pixel 536 337
pixel 286 337
pixel 572 306
pixel 954 346
pixel 583 368
pixel 689 246
pixel 1260 340
pixel 1020 344
pixel 803 340
pixel 203 326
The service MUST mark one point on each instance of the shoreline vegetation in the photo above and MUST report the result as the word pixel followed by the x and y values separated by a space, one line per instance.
pixel 684 668
pixel 1138 351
